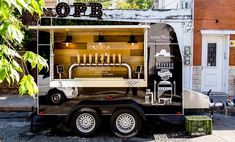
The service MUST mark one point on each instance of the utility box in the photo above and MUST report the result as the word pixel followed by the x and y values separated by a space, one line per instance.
pixel 197 124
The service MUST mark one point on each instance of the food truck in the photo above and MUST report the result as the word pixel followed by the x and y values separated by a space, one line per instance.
pixel 125 70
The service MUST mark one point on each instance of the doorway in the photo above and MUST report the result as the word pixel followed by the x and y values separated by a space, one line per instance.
pixel 213 59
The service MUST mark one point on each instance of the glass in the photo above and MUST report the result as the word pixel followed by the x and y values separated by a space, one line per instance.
pixel 211 54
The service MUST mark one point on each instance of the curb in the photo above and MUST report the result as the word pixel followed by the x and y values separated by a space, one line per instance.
pixel 16 109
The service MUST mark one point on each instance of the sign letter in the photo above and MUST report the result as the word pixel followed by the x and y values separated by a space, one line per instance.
pixel 78 8
pixel 62 9
pixel 96 10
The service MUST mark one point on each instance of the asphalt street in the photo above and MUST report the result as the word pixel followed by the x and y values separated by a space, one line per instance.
pixel 14 127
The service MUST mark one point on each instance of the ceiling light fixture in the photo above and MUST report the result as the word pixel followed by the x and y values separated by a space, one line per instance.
pixel 132 40
pixel 68 40
pixel 100 39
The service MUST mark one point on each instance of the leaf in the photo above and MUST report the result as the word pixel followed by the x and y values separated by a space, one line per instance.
pixel 22 89
pixel 27 84
pixel 18 7
pixel 35 60
pixel 24 5
pixel 3 28
pixel 35 5
pixel 17 66
pixel 4 12
pixel 2 75
pixel 8 79
pixel 40 67
pixel 15 74
pixel 15 33
pixel 11 74
pixel 9 52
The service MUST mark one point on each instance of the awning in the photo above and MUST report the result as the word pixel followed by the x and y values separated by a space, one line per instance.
pixel 92 28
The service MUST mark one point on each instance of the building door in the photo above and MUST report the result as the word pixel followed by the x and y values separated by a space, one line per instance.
pixel 212 63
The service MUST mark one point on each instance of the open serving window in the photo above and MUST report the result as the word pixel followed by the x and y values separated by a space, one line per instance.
pixel 97 55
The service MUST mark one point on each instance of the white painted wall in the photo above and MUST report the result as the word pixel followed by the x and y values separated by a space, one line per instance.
pixel 175 4
pixel 184 34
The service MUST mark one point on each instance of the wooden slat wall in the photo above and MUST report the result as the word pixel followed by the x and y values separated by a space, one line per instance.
pixel 67 55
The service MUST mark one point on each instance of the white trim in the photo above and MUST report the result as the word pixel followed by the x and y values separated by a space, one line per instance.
pixel 227 52
pixel 88 27
pixel 99 82
pixel 192 45
pixel 217 32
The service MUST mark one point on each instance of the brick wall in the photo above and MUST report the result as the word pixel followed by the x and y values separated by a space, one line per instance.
pixel 212 14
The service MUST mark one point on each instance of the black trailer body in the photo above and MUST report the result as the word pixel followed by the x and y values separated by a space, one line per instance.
pixel 125 71
pixel 163 91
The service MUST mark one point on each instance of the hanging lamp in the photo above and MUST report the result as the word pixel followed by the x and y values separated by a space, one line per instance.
pixel 132 40
pixel 100 39
pixel 68 40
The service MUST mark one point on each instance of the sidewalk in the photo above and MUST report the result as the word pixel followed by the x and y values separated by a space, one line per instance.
pixel 15 103
pixel 223 131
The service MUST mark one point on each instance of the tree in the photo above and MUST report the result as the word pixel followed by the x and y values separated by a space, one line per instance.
pixel 12 34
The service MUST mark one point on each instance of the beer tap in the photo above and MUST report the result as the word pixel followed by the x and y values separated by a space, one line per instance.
pixel 90 59
pixel 96 58
pixel 78 58
pixel 119 59
pixel 84 59
pixel 108 59
pixel 114 59
pixel 102 59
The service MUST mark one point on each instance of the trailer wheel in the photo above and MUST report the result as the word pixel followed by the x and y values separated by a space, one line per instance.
pixel 125 123
pixel 56 97
pixel 85 122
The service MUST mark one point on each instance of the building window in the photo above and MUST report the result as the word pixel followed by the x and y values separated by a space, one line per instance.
pixel 211 54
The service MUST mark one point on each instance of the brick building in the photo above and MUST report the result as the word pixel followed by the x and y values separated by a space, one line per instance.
pixel 213 47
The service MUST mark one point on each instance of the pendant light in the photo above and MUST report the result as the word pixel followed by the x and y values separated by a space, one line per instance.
pixel 132 40
pixel 100 39
pixel 68 40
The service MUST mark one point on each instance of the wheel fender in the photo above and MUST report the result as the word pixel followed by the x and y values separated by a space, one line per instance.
pixel 80 109
pixel 56 89
pixel 134 107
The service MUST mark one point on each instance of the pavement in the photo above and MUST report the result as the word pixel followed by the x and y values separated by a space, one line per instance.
pixel 223 125
pixel 223 131
pixel 15 103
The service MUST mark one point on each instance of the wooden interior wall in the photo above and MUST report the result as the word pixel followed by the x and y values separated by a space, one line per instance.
pixel 84 43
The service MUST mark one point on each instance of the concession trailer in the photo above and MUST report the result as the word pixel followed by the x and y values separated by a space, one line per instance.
pixel 125 70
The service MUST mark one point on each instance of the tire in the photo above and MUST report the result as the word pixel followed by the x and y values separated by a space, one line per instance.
pixel 56 97
pixel 85 122
pixel 128 128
